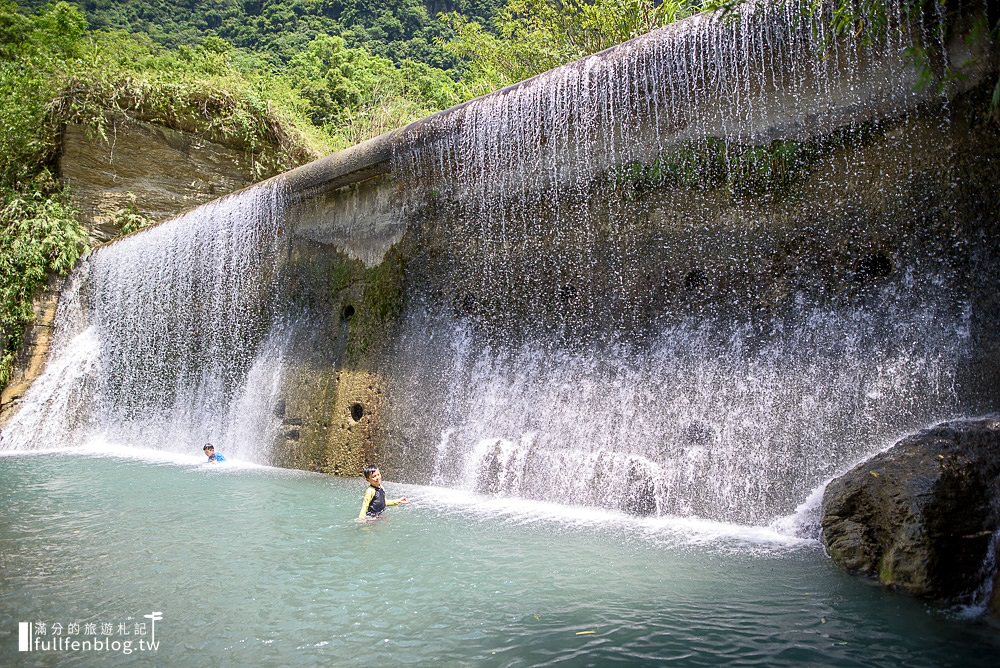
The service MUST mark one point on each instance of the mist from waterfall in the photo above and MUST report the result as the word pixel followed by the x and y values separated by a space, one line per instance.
pixel 169 338
pixel 695 275
pixel 625 305
pixel 710 419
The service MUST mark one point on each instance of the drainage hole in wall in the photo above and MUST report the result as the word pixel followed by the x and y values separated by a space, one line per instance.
pixel 695 279
pixel 874 265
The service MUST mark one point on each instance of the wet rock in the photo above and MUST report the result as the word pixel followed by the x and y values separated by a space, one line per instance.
pixel 158 171
pixel 641 498
pixel 921 516
pixel 31 359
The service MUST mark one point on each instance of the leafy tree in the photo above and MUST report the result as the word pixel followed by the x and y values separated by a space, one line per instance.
pixel 529 37
pixel 354 93
pixel 278 29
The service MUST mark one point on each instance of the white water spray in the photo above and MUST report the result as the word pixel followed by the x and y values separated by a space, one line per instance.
pixel 168 339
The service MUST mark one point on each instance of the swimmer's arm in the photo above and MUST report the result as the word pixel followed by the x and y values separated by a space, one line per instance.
pixel 369 495
pixel 396 502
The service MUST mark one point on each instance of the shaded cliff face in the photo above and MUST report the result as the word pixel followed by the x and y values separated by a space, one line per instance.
pixel 34 352
pixel 146 169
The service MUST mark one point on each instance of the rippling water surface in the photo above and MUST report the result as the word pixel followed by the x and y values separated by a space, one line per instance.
pixel 259 566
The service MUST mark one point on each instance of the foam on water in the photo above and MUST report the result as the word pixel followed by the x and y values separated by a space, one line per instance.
pixel 664 530
pixel 180 456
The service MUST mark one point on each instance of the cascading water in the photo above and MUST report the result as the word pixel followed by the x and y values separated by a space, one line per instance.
pixel 169 338
pixel 704 420
pixel 694 276
pixel 700 275
pixel 697 274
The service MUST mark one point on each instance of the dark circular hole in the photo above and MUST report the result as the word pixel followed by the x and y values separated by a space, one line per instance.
pixel 348 312
pixel 696 278
pixel 468 304
pixel 875 265
pixel 567 293
pixel 357 411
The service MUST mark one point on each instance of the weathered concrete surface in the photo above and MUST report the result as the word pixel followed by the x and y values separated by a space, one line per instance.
pixel 327 418
pixel 371 217
pixel 905 188
pixel 921 516
pixel 333 392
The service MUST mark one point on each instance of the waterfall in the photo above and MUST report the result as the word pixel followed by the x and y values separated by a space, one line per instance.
pixel 710 419
pixel 169 338
pixel 695 276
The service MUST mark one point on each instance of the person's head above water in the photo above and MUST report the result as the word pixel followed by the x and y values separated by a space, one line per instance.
pixel 212 455
pixel 373 475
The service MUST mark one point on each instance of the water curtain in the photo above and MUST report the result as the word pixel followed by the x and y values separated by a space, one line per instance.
pixel 698 275
pixel 169 338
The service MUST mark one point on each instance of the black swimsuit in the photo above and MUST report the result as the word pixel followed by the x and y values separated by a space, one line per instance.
pixel 377 504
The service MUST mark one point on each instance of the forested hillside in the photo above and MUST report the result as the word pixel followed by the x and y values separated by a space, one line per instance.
pixel 277 30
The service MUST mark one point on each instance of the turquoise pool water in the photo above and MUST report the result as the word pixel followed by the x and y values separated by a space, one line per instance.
pixel 259 566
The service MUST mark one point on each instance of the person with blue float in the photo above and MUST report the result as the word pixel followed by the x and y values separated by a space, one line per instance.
pixel 209 450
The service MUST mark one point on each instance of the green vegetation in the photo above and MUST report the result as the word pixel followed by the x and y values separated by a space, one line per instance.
pixel 870 19
pixel 765 172
pixel 354 95
pixel 272 32
pixel 282 80
pixel 39 232
pixel 529 37
pixel 37 236
pixel 129 219
pixel 54 70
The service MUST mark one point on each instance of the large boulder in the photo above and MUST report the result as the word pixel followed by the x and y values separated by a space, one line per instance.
pixel 922 516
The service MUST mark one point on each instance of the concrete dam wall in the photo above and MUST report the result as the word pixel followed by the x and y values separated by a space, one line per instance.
pixel 697 274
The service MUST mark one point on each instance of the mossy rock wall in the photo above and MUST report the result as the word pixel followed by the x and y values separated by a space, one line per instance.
pixel 333 389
